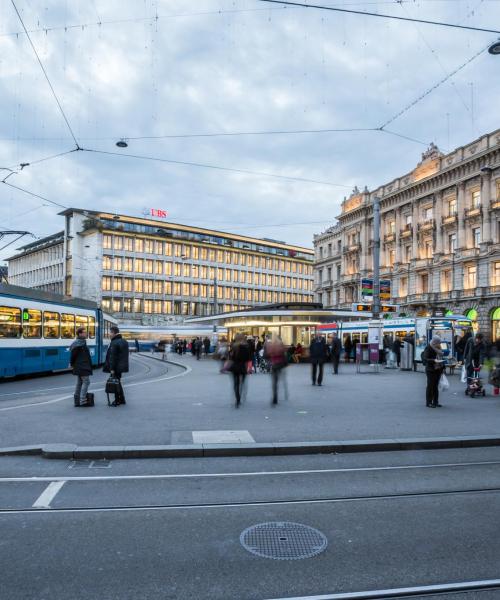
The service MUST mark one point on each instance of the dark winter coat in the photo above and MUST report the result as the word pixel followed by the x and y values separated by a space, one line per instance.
pixel 80 358
pixel 335 348
pixel 117 356
pixel 318 350
pixel 474 354
pixel 240 355
pixel 428 357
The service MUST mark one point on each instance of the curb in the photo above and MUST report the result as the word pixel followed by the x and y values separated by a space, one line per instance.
pixel 72 451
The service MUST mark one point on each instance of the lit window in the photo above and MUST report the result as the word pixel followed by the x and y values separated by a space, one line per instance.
pixel 117 284
pixel 118 242
pixel 117 263
pixel 107 241
pixel 148 286
pixel 127 284
pixel 139 265
pixel 129 244
pixel 168 249
pixel 139 285
pixel 496 273
pixel 148 266
pixel 476 236
pixel 476 199
pixel 452 207
pixel 470 277
pixel 106 263
pixel 106 284
pixel 139 245
pixel 428 213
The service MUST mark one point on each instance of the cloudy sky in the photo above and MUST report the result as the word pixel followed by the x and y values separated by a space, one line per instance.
pixel 157 69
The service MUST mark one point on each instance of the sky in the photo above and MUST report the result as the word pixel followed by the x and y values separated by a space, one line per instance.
pixel 156 69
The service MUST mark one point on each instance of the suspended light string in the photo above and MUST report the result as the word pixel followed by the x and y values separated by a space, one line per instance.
pixel 382 16
pixel 46 76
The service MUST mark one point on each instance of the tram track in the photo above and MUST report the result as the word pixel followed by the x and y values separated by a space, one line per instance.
pixel 250 504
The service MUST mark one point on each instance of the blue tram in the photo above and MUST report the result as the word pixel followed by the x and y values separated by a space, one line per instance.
pixel 37 328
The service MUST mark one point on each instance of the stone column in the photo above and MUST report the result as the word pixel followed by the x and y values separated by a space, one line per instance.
pixel 398 229
pixel 438 214
pixel 486 198
pixel 414 224
pixel 461 242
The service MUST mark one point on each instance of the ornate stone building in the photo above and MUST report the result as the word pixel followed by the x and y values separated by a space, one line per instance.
pixel 440 238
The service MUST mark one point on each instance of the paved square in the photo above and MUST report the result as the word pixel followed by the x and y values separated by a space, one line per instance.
pixel 222 437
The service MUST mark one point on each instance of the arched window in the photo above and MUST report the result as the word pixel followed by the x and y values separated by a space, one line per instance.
pixel 495 324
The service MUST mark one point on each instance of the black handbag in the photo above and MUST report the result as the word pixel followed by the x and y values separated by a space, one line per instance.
pixel 112 385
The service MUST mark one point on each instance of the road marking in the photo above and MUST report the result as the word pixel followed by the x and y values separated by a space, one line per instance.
pixel 461 586
pixel 222 437
pixel 244 474
pixel 50 492
pixel 125 385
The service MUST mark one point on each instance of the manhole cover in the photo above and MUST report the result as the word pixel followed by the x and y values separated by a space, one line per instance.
pixel 283 540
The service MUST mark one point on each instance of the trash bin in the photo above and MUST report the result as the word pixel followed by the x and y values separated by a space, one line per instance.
pixel 407 357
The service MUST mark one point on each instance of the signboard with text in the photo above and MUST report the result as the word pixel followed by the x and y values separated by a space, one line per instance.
pixel 367 289
pixel 157 213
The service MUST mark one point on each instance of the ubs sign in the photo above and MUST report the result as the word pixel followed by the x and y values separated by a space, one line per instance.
pixel 157 213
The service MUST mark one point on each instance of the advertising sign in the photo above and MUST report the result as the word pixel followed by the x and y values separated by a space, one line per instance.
pixel 367 289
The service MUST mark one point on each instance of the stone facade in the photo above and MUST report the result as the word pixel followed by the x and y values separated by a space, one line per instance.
pixel 440 237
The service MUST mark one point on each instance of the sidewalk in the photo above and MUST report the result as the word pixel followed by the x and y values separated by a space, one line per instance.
pixel 198 409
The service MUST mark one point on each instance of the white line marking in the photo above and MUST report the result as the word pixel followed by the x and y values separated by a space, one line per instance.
pixel 50 492
pixel 404 592
pixel 222 436
pixel 246 474
pixel 126 385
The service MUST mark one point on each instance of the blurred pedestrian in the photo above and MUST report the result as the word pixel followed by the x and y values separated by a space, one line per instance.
pixel 318 351
pixel 206 346
pixel 347 348
pixel 239 356
pixel 297 355
pixel 116 362
pixel 81 362
pixel 198 345
pixel 396 348
pixel 335 351
pixel 432 359
pixel 474 354
pixel 274 351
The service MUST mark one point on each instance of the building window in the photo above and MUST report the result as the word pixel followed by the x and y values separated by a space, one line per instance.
pixel 139 245
pixel 446 285
pixel 476 237
pixel 428 213
pixel 107 241
pixel 158 247
pixel 117 284
pixel 139 265
pixel 117 263
pixel 476 199
pixel 106 284
pixel 148 266
pixel 118 242
pixel 452 243
pixel 106 263
pixel 127 284
pixel 129 244
pixel 470 277
pixel 452 207
pixel 392 227
pixel 403 287
pixel 392 257
pixel 139 285
pixel 168 249
pixel 496 273
pixel 424 283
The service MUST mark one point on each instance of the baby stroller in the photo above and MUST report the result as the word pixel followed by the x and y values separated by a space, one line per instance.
pixel 474 384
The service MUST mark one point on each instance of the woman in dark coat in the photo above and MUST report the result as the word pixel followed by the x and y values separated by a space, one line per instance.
pixel 432 358
pixel 239 356
pixel 81 363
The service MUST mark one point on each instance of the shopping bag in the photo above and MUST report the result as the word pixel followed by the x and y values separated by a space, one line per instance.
pixel 463 375
pixel 443 384
pixel 112 385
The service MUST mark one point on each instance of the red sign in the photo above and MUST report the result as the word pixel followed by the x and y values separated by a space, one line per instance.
pixel 158 213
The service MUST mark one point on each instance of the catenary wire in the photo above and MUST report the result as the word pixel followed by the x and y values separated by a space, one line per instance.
pixel 216 167
pixel 431 89
pixel 46 76
pixel 35 195
pixel 45 158
pixel 383 16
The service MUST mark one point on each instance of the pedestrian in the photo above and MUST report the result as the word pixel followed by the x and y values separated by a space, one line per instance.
pixel 253 355
pixel 396 348
pixel 193 347
pixel 184 346
pixel 299 350
pixel 432 359
pixel 274 351
pixel 206 346
pixel 335 350
pixel 198 345
pixel 347 348
pixel 474 354
pixel 317 355
pixel 81 362
pixel 239 356
pixel 116 362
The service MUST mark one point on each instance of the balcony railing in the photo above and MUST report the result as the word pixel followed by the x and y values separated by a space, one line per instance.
pixel 495 205
pixel 449 219
pixel 470 252
pixel 426 225
pixel 353 247
pixel 389 237
pixel 406 232
pixel 469 292
pixel 423 297
pixel 474 211
pixel 494 289
pixel 422 263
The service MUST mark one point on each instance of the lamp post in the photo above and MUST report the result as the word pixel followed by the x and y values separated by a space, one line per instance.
pixel 376 258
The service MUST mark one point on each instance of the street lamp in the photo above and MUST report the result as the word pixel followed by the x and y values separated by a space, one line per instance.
pixel 495 47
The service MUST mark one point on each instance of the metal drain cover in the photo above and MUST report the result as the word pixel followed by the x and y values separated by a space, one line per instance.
pixel 283 540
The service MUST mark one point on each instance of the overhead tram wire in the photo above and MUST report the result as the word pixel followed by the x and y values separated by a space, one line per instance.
pixel 46 77
pixel 40 160
pixel 35 195
pixel 383 16
pixel 431 89
pixel 216 167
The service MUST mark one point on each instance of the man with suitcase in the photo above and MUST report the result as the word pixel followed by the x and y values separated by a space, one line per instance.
pixel 81 364
pixel 116 362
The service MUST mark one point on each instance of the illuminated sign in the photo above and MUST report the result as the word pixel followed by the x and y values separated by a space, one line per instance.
pixel 385 308
pixel 157 213
pixel 367 289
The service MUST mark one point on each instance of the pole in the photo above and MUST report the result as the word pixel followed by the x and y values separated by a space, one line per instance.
pixel 376 258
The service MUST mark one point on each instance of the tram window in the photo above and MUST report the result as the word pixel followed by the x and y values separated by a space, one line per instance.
pixel 91 327
pixel 67 326
pixel 32 323
pixel 51 325
pixel 82 321
pixel 10 322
